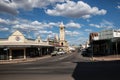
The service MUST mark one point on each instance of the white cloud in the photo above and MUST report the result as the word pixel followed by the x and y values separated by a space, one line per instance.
pixel 95 25
pixel 104 24
pixel 7 7
pixel 72 33
pixel 34 26
pixel 4 29
pixel 36 23
pixel 73 25
pixel 118 6
pixel 8 21
pixel 44 24
pixel 26 26
pixel 88 30
pixel 2 21
pixel 45 32
pixel 75 9
pixel 86 16
pixel 12 6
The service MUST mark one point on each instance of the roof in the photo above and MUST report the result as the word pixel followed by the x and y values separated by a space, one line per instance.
pixel 15 44
pixel 17 33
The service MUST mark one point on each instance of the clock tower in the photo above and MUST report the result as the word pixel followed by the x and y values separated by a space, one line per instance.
pixel 62 34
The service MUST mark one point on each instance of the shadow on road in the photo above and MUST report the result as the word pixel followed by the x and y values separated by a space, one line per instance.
pixel 104 70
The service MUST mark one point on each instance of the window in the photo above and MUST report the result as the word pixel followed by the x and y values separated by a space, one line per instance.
pixel 62 44
pixel 38 40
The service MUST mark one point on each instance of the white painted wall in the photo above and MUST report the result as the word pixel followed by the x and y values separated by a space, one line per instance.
pixel 116 34
pixel 16 37
pixel 96 38
pixel 108 34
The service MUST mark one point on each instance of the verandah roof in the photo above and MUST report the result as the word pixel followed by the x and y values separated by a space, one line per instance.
pixel 15 44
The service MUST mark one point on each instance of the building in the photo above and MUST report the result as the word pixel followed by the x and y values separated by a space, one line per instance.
pixel 93 36
pixel 62 41
pixel 106 42
pixel 109 34
pixel 17 46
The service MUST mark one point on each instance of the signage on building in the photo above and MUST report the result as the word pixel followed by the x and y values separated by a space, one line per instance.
pixel 17 38
pixel 108 34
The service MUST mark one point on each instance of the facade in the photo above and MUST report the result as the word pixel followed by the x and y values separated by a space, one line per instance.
pixel 62 35
pixel 17 46
pixel 109 34
pixel 62 41
pixel 93 36
pixel 107 42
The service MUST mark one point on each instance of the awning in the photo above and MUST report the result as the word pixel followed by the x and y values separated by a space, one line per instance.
pixel 14 44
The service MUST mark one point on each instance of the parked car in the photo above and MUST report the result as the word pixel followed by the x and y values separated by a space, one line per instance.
pixel 54 53
pixel 86 53
pixel 60 52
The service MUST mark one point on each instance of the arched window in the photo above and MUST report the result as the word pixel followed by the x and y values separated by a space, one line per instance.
pixel 38 40
pixel 62 44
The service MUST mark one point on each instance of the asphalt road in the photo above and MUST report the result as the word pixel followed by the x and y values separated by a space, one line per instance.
pixel 64 67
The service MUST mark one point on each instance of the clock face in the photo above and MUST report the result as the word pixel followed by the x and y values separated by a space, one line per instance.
pixel 17 38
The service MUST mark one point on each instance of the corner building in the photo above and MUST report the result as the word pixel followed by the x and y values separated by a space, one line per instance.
pixel 17 46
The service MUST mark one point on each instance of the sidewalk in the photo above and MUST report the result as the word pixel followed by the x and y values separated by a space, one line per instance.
pixel 23 60
pixel 106 58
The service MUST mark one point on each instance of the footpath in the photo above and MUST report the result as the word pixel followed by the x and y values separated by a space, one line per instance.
pixel 23 60
pixel 106 58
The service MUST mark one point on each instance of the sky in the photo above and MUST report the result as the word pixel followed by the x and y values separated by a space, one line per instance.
pixel 43 17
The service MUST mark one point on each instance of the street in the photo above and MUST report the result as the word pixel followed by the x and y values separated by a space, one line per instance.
pixel 53 68
pixel 63 67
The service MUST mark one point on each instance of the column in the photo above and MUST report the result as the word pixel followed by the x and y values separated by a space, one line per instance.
pixel 10 54
pixel 41 51
pixel 24 53
pixel 47 51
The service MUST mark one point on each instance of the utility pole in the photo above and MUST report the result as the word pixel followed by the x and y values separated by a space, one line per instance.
pixel 92 52
pixel 116 49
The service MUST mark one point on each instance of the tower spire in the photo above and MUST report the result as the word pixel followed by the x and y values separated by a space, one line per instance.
pixel 61 24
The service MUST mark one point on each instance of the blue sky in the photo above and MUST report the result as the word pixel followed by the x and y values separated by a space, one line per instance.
pixel 42 17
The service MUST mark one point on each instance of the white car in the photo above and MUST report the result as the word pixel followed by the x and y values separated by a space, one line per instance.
pixel 60 52
pixel 54 53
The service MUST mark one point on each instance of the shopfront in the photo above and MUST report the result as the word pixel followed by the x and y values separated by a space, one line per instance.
pixel 17 46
